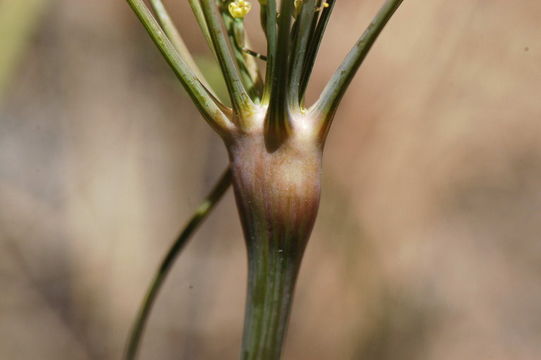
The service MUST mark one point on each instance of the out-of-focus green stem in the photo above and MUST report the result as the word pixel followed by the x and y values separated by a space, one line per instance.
pixel 337 86
pixel 17 21
pixel 200 215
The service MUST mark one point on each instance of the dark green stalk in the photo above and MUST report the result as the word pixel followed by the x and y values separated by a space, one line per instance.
pixel 276 126
pixel 312 32
pixel 314 44
pixel 337 86
pixel 268 21
pixel 201 97
pixel 199 216
pixel 242 104
pixel 200 18
pixel 304 26
pixel 248 68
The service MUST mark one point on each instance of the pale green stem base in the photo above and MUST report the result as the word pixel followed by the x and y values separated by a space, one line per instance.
pixel 277 195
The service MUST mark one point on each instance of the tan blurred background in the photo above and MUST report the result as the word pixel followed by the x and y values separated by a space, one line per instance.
pixel 428 241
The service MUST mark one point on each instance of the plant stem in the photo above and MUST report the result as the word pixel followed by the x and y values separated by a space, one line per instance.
pixel 202 98
pixel 336 88
pixel 173 34
pixel 315 42
pixel 199 216
pixel 226 58
pixel 276 126
pixel 277 196
pixel 200 18
pixel 271 283
pixel 305 20
pixel 275 148
pixel 268 22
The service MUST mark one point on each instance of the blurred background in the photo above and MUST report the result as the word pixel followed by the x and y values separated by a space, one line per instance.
pixel 427 244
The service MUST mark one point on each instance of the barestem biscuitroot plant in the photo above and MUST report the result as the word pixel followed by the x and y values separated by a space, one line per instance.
pixel 274 140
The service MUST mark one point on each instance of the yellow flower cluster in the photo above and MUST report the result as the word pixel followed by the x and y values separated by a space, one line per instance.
pixel 239 8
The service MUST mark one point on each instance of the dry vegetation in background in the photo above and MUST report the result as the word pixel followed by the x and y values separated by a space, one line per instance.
pixel 427 245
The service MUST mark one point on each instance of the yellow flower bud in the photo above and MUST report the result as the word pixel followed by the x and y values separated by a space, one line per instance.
pixel 239 8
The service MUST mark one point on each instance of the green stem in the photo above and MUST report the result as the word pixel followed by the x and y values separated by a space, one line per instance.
pixel 304 21
pixel 277 195
pixel 200 18
pixel 271 282
pixel 200 215
pixel 173 34
pixel 247 66
pixel 337 86
pixel 268 21
pixel 276 123
pixel 203 99
pixel 240 99
pixel 315 42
